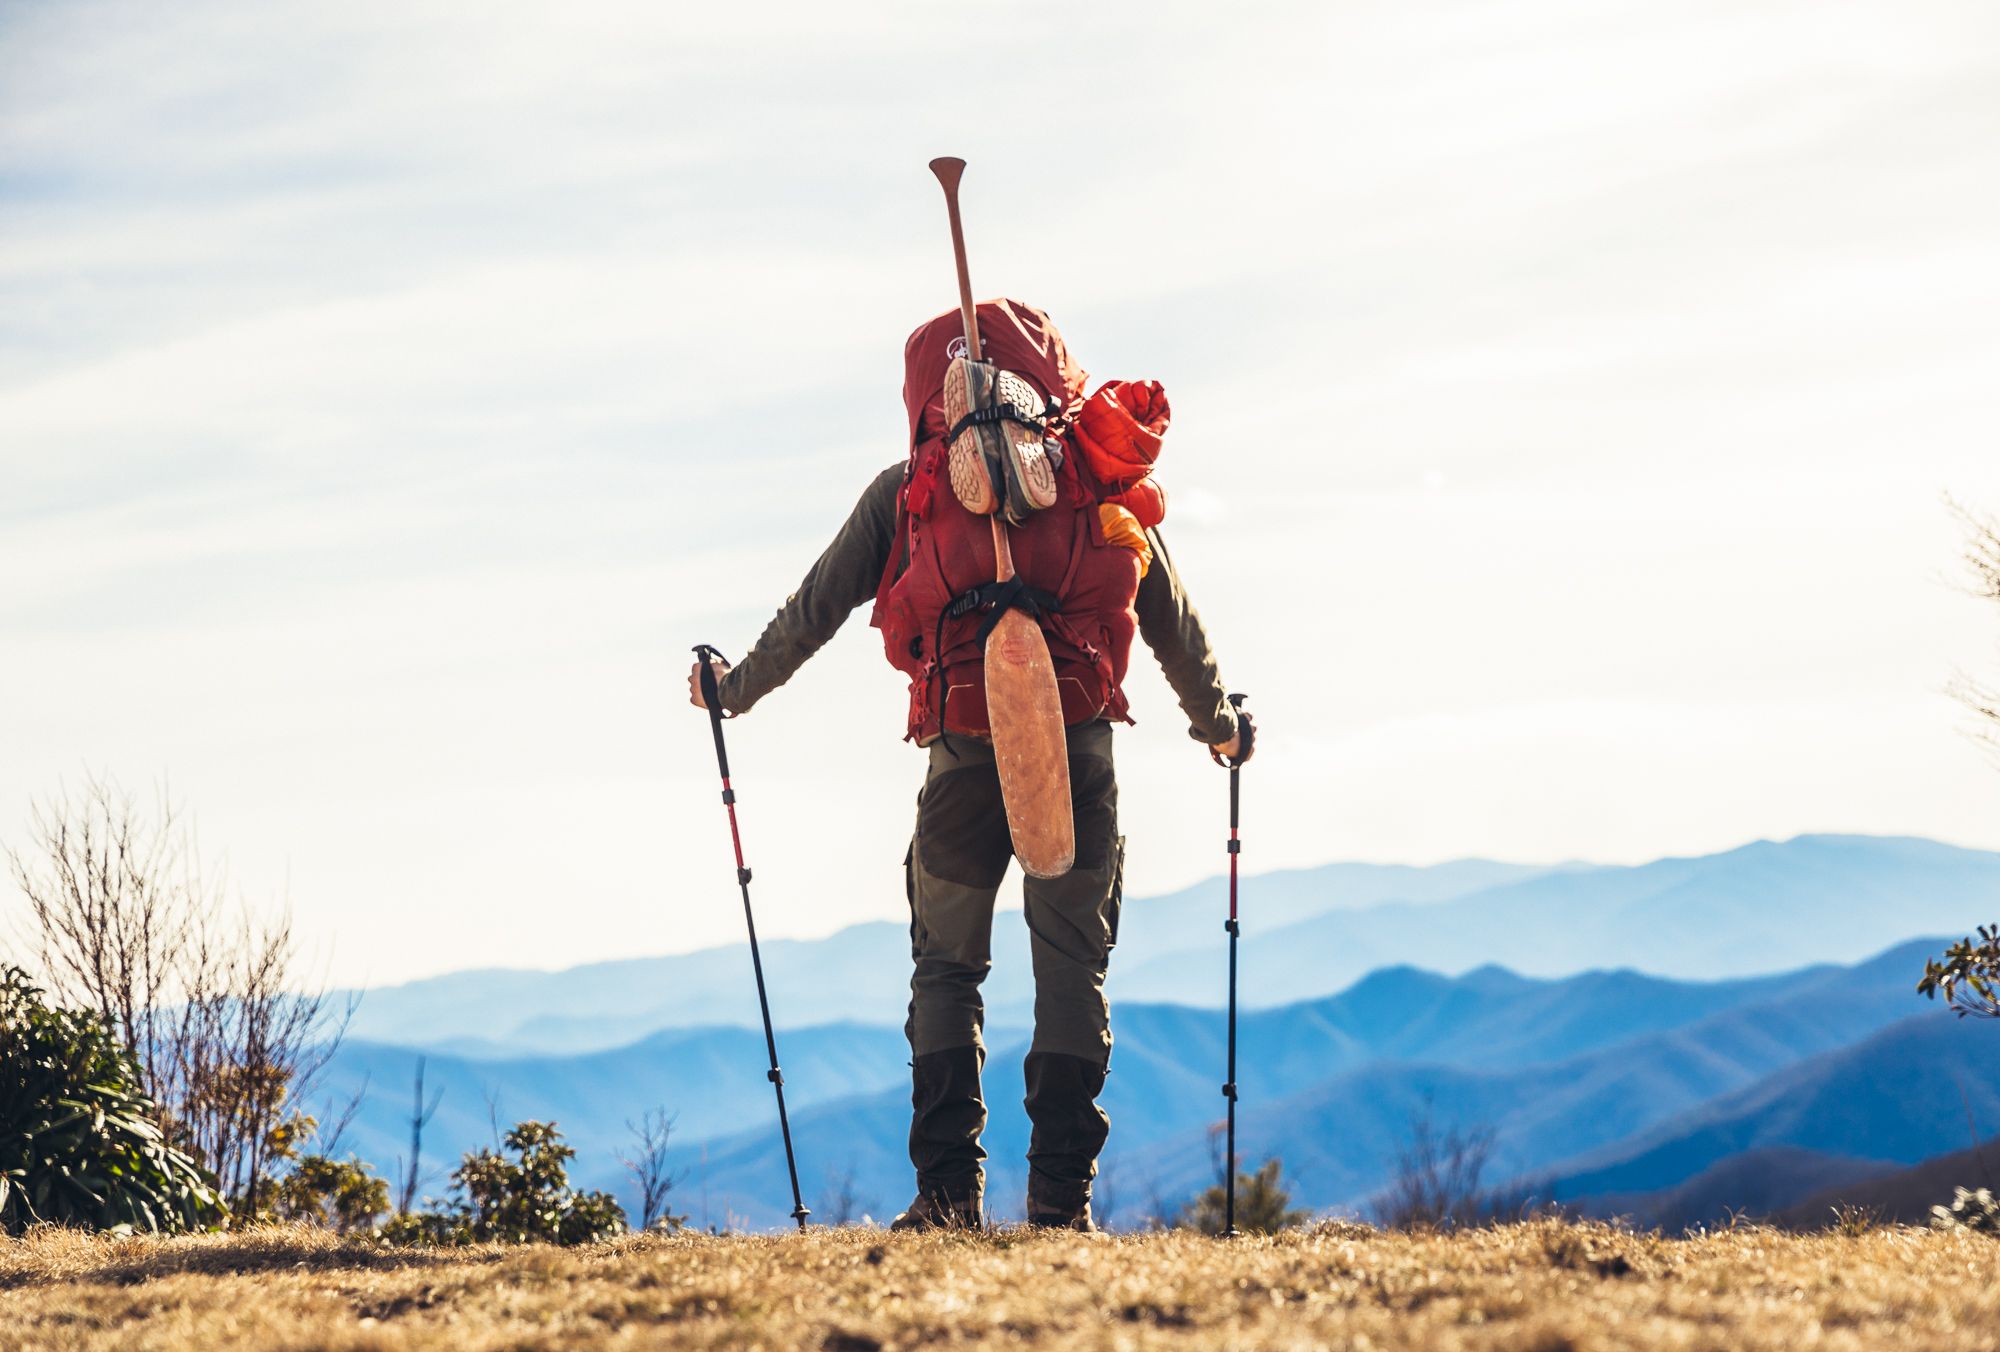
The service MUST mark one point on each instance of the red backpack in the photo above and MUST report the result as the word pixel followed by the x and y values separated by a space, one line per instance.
pixel 1080 587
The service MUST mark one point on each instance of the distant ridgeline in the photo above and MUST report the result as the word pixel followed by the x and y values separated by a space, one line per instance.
pixel 1492 997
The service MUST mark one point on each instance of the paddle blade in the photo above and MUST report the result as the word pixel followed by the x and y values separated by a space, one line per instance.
pixel 1029 746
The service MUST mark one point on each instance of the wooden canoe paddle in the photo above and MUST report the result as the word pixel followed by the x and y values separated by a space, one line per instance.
pixel 1023 708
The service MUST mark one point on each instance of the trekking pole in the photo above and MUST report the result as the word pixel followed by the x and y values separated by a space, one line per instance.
pixel 713 699
pixel 1235 764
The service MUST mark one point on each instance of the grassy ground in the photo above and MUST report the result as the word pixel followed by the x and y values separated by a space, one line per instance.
pixel 1534 1286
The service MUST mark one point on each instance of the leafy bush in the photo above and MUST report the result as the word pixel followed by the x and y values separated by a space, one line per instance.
pixel 1969 976
pixel 314 1187
pixel 526 1199
pixel 78 1141
pixel 1263 1205
pixel 433 1228
pixel 1969 1210
pixel 341 1194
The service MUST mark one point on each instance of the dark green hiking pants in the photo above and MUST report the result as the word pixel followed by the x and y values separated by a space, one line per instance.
pixel 957 859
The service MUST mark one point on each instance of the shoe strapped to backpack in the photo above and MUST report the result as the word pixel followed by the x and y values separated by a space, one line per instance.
pixel 1002 455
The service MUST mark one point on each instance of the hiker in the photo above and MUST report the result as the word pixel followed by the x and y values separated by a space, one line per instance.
pixel 913 549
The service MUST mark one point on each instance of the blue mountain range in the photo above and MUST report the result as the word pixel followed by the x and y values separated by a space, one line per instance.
pixel 1318 1096
pixel 1620 1031
pixel 1764 907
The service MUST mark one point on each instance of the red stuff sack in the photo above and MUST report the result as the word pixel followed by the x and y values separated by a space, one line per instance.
pixel 1119 431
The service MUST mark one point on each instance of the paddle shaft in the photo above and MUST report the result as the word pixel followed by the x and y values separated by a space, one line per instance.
pixel 949 170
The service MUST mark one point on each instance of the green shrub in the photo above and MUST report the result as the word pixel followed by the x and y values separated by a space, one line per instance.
pixel 341 1194
pixel 1263 1205
pixel 78 1140
pixel 526 1199
pixel 1969 976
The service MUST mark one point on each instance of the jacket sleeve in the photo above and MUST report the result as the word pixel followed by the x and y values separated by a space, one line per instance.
pixel 846 575
pixel 1173 630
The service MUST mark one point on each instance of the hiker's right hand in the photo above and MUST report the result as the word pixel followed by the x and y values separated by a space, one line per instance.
pixel 718 666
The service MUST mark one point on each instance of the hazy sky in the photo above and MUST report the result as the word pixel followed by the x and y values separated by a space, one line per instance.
pixel 390 395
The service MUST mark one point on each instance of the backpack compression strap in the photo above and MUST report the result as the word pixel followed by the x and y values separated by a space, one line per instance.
pixel 1045 419
pixel 1013 594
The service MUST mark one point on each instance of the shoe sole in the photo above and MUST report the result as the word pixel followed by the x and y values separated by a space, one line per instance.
pixel 971 476
pixel 1002 466
pixel 1030 474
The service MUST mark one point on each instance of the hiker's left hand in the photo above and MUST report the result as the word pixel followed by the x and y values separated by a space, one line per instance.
pixel 721 669
pixel 1242 746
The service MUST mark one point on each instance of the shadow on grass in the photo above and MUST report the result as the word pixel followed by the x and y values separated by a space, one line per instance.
pixel 50 1255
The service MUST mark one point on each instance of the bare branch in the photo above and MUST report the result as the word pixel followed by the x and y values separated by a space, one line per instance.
pixel 1437 1183
pixel 647 1163
pixel 210 1000
pixel 421 1114
pixel 1982 563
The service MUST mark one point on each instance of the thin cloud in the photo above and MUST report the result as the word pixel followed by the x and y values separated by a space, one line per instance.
pixel 390 397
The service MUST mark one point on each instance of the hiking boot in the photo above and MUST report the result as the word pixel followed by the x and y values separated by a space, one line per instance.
pixel 935 1210
pixel 1056 1205
pixel 1078 1221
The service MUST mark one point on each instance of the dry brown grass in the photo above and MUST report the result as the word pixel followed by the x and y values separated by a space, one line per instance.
pixel 1541 1285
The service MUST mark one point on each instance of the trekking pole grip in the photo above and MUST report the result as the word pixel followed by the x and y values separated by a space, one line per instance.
pixel 711 695
pixel 1246 734
pixel 1246 731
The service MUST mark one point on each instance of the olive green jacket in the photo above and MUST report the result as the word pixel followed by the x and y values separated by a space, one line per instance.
pixel 848 573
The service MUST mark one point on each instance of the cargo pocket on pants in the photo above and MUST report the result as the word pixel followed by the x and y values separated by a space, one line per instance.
pixel 1116 900
pixel 917 935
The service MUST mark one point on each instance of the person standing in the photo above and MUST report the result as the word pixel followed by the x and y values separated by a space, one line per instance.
pixel 1097 572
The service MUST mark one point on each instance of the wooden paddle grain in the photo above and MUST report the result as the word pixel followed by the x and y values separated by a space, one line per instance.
pixel 1030 746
